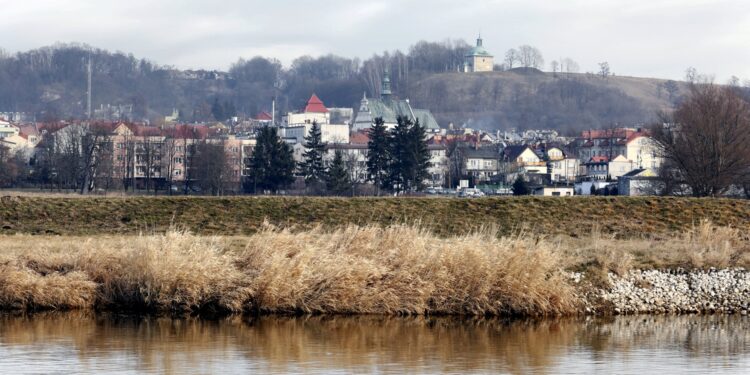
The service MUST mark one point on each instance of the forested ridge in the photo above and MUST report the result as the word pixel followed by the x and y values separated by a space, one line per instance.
pixel 50 83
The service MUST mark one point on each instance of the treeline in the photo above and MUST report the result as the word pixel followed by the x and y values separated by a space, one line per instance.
pixel 50 83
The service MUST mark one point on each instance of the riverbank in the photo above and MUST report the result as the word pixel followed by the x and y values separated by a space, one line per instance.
pixel 398 270
pixel 625 217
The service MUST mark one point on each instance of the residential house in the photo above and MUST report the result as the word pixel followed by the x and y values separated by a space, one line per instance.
pixel 603 169
pixel 639 182
pixel 522 159
pixel 481 164
pixel 554 191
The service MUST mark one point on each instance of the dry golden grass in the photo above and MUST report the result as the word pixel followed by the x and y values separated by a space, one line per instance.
pixel 351 270
pixel 396 270
pixel 703 246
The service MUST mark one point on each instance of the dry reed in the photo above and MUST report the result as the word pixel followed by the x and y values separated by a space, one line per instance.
pixel 352 270
pixel 394 270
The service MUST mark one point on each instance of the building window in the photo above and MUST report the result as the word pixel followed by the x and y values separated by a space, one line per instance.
pixel 177 172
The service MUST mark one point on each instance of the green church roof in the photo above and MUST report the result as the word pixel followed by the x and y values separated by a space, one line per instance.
pixel 478 50
pixel 390 109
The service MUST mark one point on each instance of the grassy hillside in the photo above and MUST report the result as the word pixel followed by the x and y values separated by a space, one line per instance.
pixel 533 99
pixel 626 217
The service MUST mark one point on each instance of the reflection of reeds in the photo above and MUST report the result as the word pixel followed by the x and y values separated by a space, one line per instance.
pixel 396 270
pixel 358 343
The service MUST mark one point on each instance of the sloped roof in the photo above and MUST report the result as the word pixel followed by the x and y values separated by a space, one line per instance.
pixel 481 153
pixel 390 109
pixel 360 137
pixel 264 116
pixel 514 151
pixel 315 105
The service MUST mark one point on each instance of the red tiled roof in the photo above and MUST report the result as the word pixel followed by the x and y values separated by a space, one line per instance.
pixel 599 159
pixel 264 116
pixel 315 105
pixel 188 131
pixel 359 138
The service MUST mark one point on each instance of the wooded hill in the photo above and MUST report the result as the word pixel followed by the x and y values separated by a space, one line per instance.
pixel 51 83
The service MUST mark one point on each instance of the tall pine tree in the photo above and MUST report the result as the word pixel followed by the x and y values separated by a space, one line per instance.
pixel 312 167
pixel 272 163
pixel 337 181
pixel 378 155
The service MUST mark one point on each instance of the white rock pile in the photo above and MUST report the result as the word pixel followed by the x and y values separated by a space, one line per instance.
pixel 679 291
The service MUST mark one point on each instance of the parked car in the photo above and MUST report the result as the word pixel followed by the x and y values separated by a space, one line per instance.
pixel 470 193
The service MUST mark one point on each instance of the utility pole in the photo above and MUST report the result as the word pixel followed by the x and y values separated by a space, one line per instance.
pixel 88 91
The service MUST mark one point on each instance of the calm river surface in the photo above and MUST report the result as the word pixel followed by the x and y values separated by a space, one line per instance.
pixel 91 343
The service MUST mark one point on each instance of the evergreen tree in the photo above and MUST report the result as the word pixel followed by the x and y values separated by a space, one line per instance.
pixel 312 167
pixel 409 155
pixel 377 155
pixel 420 155
pixel 272 163
pixel 337 181
pixel 520 187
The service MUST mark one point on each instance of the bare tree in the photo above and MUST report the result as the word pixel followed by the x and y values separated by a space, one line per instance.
pixel 708 139
pixel 604 71
pixel 169 162
pixel 530 57
pixel 568 65
pixel 211 168
pixel 511 58
pixel 691 74
pixel 554 65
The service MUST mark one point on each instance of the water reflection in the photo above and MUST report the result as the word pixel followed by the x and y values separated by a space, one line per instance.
pixel 87 342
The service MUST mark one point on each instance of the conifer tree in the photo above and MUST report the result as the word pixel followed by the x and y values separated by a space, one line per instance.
pixel 312 167
pixel 420 155
pixel 520 187
pixel 272 163
pixel 337 181
pixel 410 157
pixel 378 155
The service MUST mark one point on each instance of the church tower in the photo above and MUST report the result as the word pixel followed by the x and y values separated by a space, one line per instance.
pixel 385 86
pixel 478 59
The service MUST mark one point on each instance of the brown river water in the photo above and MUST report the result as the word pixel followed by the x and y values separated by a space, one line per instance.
pixel 88 343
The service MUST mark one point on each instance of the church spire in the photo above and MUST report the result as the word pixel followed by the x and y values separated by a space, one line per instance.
pixel 385 87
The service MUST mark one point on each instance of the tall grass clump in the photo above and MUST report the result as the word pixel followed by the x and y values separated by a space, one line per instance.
pixel 352 270
pixel 175 272
pixel 403 270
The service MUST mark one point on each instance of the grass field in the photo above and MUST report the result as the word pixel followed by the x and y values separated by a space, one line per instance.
pixel 576 216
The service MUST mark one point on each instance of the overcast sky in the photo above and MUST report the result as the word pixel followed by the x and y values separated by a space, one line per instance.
pixel 653 38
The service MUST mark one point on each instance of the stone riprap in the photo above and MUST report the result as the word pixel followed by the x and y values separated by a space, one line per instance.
pixel 678 291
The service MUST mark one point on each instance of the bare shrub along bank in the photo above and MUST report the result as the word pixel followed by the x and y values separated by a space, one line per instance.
pixel 396 270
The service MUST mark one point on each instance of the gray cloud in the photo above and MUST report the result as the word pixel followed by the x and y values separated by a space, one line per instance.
pixel 655 38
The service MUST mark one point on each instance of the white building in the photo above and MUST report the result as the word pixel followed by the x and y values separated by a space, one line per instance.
pixel 298 125
pixel 564 170
pixel 7 130
pixel 554 191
